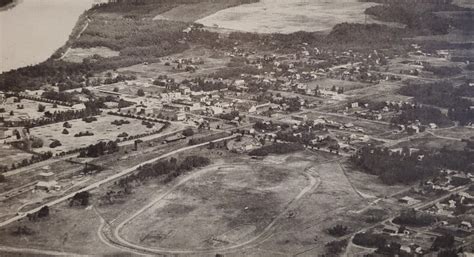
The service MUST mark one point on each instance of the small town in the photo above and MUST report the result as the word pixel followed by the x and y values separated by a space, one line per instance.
pixel 153 133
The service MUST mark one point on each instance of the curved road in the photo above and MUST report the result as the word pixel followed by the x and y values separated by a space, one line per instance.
pixel 313 184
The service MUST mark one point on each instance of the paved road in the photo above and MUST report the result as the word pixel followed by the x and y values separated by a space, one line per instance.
pixel 107 180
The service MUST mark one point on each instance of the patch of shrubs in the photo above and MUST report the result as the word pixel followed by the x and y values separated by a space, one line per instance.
pixel 277 148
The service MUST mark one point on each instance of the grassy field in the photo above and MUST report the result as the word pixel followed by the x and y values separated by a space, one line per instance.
pixel 10 155
pixel 102 128
pixel 431 142
pixel 193 12
pixel 30 110
pixel 275 16
pixel 212 62
pixel 327 84
pixel 79 54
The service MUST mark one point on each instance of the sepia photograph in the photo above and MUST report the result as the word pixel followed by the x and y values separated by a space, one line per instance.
pixel 237 128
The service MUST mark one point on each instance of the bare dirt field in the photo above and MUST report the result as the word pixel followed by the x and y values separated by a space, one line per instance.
pixel 102 129
pixel 240 200
pixel 278 16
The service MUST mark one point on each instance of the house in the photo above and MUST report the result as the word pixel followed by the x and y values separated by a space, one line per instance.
pixel 214 110
pixel 174 138
pixel 466 225
pixel 390 229
pixel 259 108
pixel 3 133
pixel 46 176
pixel 408 200
pixel 173 115
pixel 47 185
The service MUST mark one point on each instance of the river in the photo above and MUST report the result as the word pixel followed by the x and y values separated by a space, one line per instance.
pixel 33 30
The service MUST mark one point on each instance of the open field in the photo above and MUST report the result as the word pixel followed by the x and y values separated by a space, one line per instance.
pixel 102 129
pixel 30 109
pixel 327 84
pixel 193 12
pixel 212 62
pixel 240 200
pixel 431 142
pixel 10 155
pixel 79 54
pixel 131 88
pixel 67 229
pixel 277 16
pixel 457 132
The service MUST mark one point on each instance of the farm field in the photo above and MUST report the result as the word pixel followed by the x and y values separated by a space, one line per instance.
pixel 102 129
pixel 277 16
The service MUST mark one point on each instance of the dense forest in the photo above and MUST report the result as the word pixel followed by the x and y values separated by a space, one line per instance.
pixel 418 16
pixel 5 2
pixel 406 167
pixel 444 95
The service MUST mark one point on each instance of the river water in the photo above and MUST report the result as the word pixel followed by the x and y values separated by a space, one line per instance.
pixel 33 30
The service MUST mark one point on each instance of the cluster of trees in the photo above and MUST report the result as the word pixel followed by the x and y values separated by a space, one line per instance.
pixel 119 78
pixel 424 114
pixel 26 162
pixel 369 240
pixel 443 71
pixel 229 116
pixel 80 199
pixel 60 97
pixel 392 167
pixel 373 35
pixel 277 148
pixel 55 117
pixel 444 95
pixel 40 214
pixel 23 231
pixel 99 149
pixel 47 97
pixel 5 2
pixel 84 134
pixel 419 16
pixel 169 168
pixel 336 247
pixel 265 126
pixel 411 217
pixel 338 230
